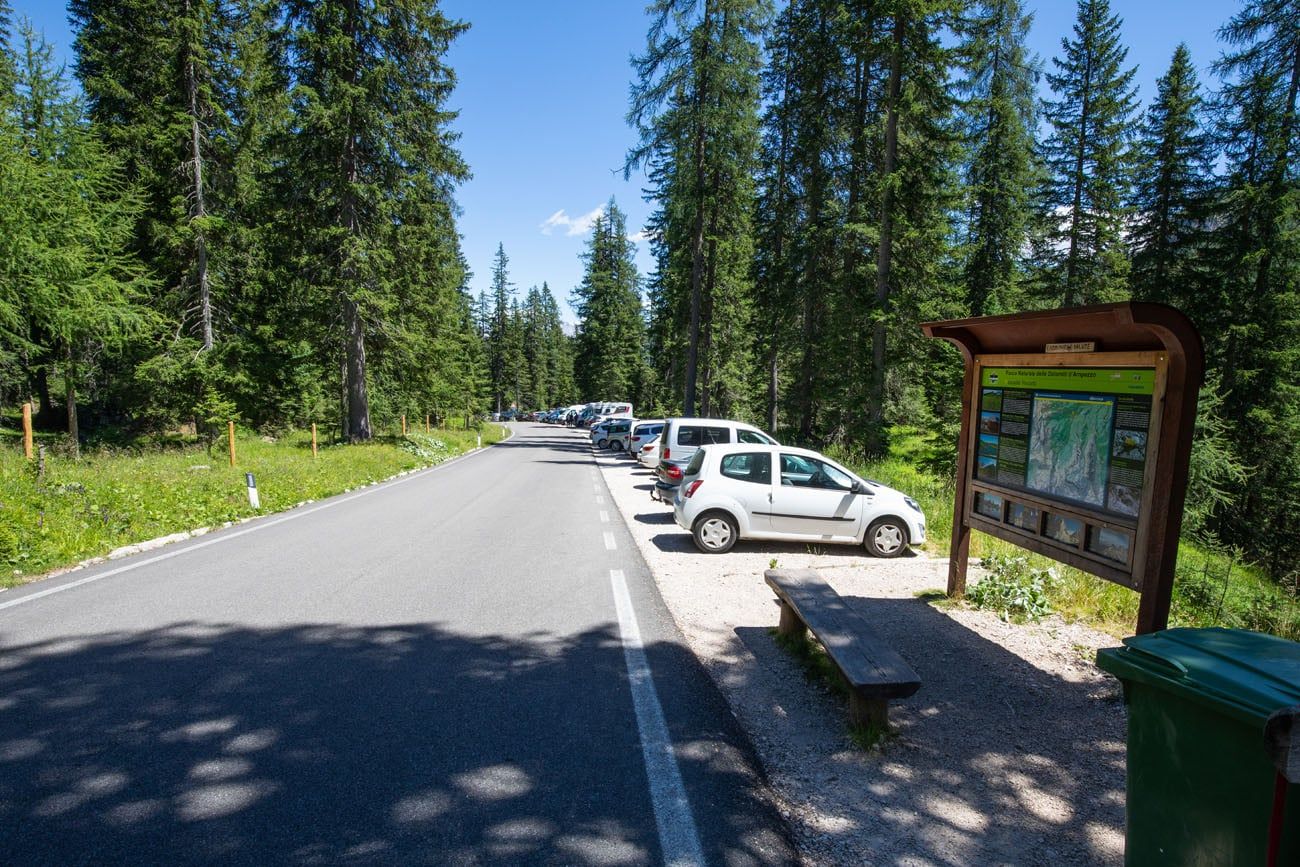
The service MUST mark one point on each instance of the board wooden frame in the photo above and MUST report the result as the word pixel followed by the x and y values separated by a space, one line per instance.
pixel 1079 555
pixel 1128 335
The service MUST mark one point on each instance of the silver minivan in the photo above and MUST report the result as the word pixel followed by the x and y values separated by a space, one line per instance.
pixel 682 437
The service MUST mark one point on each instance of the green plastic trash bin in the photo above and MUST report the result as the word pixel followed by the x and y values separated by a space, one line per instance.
pixel 1200 779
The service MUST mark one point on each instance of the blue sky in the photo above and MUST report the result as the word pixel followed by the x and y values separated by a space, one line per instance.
pixel 543 93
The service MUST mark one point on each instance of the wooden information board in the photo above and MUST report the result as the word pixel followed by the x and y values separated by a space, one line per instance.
pixel 1075 439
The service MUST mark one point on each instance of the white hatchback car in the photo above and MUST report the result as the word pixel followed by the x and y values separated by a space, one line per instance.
pixel 731 492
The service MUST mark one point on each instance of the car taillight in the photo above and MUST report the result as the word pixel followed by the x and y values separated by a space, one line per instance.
pixel 667 454
pixel 674 473
pixel 692 488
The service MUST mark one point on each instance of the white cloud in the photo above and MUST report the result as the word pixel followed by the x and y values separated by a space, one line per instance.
pixel 639 237
pixel 578 225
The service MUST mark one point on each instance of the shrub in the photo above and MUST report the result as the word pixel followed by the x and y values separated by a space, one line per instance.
pixel 1014 588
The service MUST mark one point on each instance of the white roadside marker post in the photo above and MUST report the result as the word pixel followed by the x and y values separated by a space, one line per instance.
pixel 253 499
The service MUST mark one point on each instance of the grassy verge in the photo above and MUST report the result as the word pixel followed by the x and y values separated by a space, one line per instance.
pixel 1213 587
pixel 118 496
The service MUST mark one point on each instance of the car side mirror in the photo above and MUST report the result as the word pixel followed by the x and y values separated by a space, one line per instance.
pixel 860 488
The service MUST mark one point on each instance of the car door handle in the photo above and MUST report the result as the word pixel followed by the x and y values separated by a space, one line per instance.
pixel 769 496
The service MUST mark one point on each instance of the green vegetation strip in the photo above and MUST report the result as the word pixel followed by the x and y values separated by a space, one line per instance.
pixel 115 497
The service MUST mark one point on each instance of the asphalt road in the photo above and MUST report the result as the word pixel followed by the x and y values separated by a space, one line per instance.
pixel 443 669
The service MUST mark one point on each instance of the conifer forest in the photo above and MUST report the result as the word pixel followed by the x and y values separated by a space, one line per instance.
pixel 246 209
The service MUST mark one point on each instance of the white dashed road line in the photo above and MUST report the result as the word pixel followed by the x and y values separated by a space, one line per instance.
pixel 610 544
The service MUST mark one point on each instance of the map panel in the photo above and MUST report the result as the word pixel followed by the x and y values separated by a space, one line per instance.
pixel 1076 434
pixel 1069 447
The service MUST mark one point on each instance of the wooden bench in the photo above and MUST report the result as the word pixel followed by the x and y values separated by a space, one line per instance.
pixel 874 670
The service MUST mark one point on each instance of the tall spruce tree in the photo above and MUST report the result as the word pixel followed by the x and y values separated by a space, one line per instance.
pixel 498 331
pixel 695 107
pixel 611 332
pixel 151 74
pixel 369 99
pixel 1001 169
pixel 1089 160
pixel 1251 310
pixel 1171 189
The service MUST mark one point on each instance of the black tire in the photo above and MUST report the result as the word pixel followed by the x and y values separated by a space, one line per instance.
pixel 602 443
pixel 886 537
pixel 616 445
pixel 715 532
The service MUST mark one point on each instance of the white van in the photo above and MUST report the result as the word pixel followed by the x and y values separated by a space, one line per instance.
pixel 682 437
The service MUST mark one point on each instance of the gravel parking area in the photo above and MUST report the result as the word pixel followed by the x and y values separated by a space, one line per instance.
pixel 1012 752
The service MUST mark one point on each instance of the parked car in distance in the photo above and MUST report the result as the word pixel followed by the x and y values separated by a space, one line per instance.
pixel 617 432
pixel 680 439
pixel 641 433
pixel 648 455
pixel 746 491
pixel 600 432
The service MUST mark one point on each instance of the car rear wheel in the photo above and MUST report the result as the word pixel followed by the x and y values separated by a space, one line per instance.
pixel 715 533
pixel 616 445
pixel 886 537
pixel 602 443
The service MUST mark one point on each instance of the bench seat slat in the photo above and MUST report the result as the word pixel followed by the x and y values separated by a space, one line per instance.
pixel 873 668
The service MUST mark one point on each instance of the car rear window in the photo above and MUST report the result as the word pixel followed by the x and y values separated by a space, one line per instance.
pixel 754 437
pixel 699 435
pixel 697 461
pixel 753 467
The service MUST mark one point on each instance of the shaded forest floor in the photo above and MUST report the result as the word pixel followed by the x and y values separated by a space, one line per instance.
pixel 1215 585
pixel 119 495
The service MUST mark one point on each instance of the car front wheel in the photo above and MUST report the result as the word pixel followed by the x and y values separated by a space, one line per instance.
pixel 886 537
pixel 602 443
pixel 715 533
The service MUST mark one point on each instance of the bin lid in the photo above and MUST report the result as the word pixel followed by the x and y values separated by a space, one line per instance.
pixel 1248 674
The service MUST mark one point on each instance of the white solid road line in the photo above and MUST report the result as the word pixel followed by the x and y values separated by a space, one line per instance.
pixel 226 537
pixel 678 838
pixel 610 544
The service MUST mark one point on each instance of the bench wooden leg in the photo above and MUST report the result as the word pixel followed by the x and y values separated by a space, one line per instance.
pixel 790 625
pixel 868 712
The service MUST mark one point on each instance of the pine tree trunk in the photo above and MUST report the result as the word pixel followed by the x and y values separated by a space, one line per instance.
pixel 697 227
pixel 358 401
pixel 884 256
pixel 199 212
pixel 70 398
pixel 1072 294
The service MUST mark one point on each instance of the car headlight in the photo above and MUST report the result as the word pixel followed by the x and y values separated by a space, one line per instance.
pixel 913 503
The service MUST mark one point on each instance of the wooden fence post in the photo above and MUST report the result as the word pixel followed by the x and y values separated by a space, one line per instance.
pixel 313 439
pixel 27 431
pixel 426 422
pixel 403 424
pixel 230 435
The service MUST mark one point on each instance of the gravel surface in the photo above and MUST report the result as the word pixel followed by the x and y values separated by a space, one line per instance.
pixel 1012 752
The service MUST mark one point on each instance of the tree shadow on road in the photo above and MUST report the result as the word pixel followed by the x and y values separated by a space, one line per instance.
pixel 328 743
